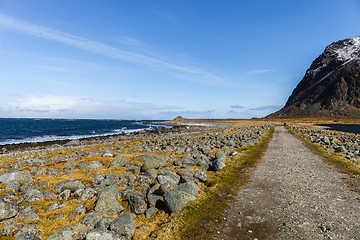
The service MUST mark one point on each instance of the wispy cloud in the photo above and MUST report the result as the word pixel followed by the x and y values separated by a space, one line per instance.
pixel 236 106
pixel 266 108
pixel 194 73
pixel 50 68
pixel 31 105
pixel 261 71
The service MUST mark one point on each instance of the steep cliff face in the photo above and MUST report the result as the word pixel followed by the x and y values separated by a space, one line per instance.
pixel 331 86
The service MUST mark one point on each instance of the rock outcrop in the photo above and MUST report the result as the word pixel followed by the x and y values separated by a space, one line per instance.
pixel 331 86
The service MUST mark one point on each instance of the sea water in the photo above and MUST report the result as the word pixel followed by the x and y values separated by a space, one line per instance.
pixel 21 130
pixel 351 128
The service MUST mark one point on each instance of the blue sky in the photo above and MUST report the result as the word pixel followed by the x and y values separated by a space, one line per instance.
pixel 141 59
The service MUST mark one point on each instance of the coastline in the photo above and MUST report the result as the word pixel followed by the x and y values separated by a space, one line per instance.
pixel 100 139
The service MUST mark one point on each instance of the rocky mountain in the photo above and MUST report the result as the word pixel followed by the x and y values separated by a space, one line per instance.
pixel 331 86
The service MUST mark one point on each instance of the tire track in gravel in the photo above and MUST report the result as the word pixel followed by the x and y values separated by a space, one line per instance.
pixel 293 194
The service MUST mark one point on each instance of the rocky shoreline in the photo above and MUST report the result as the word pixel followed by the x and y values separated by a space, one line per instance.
pixel 346 144
pixel 116 187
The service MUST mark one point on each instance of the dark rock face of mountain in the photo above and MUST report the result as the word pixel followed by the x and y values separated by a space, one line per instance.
pixel 331 86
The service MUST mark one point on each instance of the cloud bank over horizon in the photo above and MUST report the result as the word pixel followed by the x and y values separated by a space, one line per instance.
pixel 51 106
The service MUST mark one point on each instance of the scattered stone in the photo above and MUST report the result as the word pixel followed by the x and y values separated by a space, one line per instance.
pixel 201 176
pixel 124 225
pixel 110 192
pixel 137 202
pixel 220 155
pixel 167 183
pixel 10 227
pixel 104 222
pixel 73 185
pixel 65 195
pixel 189 187
pixel 119 162
pixel 19 176
pixel 76 231
pixel 43 184
pixel 73 143
pixel 8 210
pixel 96 164
pixel 79 210
pixel 55 205
pixel 82 165
pixel 149 212
pixel 108 205
pixel 107 153
pixel 103 234
pixel 218 164
pixel 91 219
pixel 28 214
pixel 48 195
pixel 152 161
pixel 28 232
pixel 88 194
pixel 176 200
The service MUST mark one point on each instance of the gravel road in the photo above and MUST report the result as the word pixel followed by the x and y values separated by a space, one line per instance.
pixel 293 194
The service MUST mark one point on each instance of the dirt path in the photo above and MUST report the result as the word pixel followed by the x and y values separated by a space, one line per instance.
pixel 293 195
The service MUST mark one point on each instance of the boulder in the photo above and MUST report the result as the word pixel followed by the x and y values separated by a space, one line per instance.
pixel 186 175
pixel 13 185
pixel 76 231
pixel 201 176
pixel 96 164
pixel 14 175
pixel 79 210
pixel 152 161
pixel 149 212
pixel 32 195
pixel 189 187
pixel 73 143
pixel 103 234
pixel 104 222
pixel 137 202
pixel 108 205
pixel 91 219
pixel 119 162
pixel 176 200
pixel 55 205
pixel 28 232
pixel 10 227
pixel 8 210
pixel 220 155
pixel 110 192
pixel 218 164
pixel 167 183
pixel 73 185
pixel 28 214
pixel 88 194
pixel 124 225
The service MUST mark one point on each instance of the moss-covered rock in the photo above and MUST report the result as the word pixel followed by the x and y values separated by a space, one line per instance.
pixel 176 200
pixel 152 161
pixel 119 162
pixel 76 231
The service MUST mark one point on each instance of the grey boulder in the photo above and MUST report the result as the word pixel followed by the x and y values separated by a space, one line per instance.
pixel 8 210
pixel 177 200
pixel 124 225
pixel 103 234
pixel 76 231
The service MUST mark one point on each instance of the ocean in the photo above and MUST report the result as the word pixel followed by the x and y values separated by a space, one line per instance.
pixel 24 130
pixel 351 128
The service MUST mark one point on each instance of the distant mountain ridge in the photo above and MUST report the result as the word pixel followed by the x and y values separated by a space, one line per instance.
pixel 331 86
